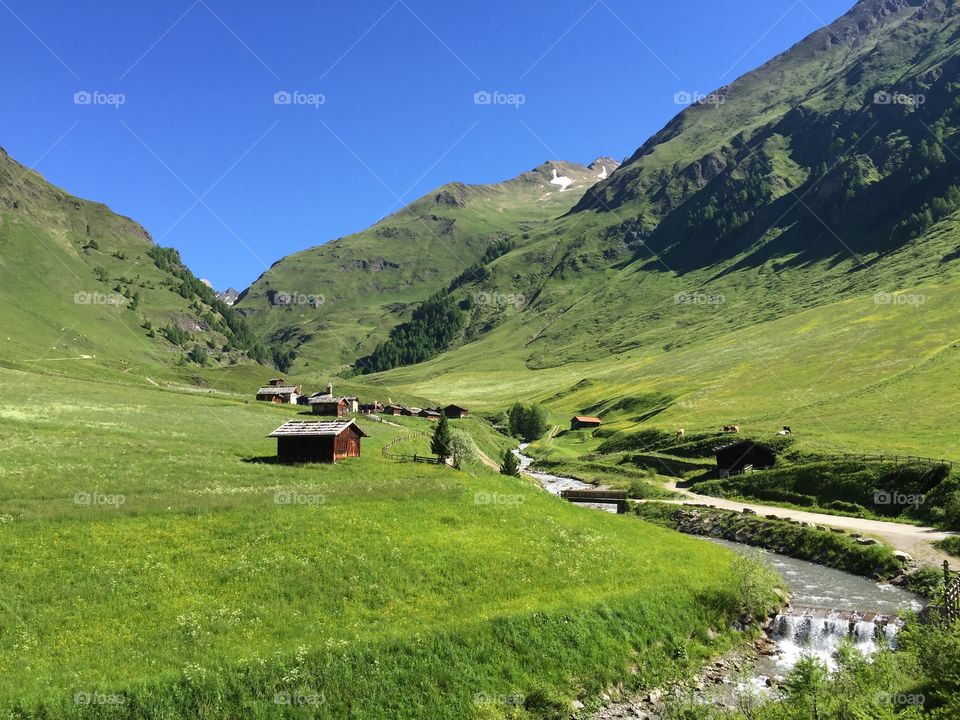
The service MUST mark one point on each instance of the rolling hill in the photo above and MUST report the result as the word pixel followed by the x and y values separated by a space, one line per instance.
pixel 783 252
pixel 86 292
pixel 333 303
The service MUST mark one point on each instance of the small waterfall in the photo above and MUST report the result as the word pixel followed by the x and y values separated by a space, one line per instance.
pixel 820 633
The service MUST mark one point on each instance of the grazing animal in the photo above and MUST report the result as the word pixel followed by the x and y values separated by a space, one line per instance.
pixel 786 431
pixel 681 433
pixel 730 429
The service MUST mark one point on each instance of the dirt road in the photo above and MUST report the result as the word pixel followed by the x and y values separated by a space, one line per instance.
pixel 913 539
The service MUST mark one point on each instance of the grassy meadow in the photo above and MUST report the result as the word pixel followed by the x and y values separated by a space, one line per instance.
pixel 156 564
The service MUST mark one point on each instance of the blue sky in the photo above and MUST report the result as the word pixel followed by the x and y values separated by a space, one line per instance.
pixel 180 128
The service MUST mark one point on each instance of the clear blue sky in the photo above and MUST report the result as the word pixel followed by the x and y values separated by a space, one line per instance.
pixel 202 156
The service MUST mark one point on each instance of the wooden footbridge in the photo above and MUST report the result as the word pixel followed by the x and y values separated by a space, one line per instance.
pixel 600 497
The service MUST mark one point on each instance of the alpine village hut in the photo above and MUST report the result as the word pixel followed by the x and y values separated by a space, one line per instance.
pixel 583 422
pixel 328 404
pixel 312 441
pixel 455 412
pixel 276 391
pixel 736 458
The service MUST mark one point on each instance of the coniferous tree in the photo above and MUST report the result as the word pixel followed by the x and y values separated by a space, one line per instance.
pixel 440 444
pixel 509 466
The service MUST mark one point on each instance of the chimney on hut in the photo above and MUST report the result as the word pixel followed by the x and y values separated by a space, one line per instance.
pixel 329 388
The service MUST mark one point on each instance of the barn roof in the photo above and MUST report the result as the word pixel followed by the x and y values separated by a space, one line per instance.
pixel 278 390
pixel 317 399
pixel 584 418
pixel 741 444
pixel 313 428
pixel 454 407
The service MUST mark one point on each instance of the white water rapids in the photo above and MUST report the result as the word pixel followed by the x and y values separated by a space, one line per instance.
pixel 831 606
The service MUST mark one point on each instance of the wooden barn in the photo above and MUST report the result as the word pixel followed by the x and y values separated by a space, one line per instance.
pixel 375 407
pixel 734 459
pixel 353 403
pixel 583 422
pixel 410 411
pixel 329 406
pixel 430 414
pixel 279 392
pixel 393 410
pixel 300 441
pixel 455 412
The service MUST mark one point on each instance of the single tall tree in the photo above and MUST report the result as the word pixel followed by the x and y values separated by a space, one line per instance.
pixel 509 466
pixel 440 444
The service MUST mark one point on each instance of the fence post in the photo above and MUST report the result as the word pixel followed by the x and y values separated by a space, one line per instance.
pixel 946 575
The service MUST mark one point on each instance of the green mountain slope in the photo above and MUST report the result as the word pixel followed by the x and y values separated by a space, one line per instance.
pixel 784 256
pixel 85 292
pixel 335 302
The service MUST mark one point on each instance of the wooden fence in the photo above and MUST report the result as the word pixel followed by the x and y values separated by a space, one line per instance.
pixel 950 610
pixel 402 457
pixel 895 459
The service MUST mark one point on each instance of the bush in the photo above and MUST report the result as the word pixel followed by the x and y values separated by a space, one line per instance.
pixel 198 355
pixel 528 422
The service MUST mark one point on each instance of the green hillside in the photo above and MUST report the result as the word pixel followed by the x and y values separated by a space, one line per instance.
pixel 785 257
pixel 158 559
pixel 334 303
pixel 86 293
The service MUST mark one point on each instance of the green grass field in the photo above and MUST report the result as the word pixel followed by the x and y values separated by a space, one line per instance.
pixel 151 560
